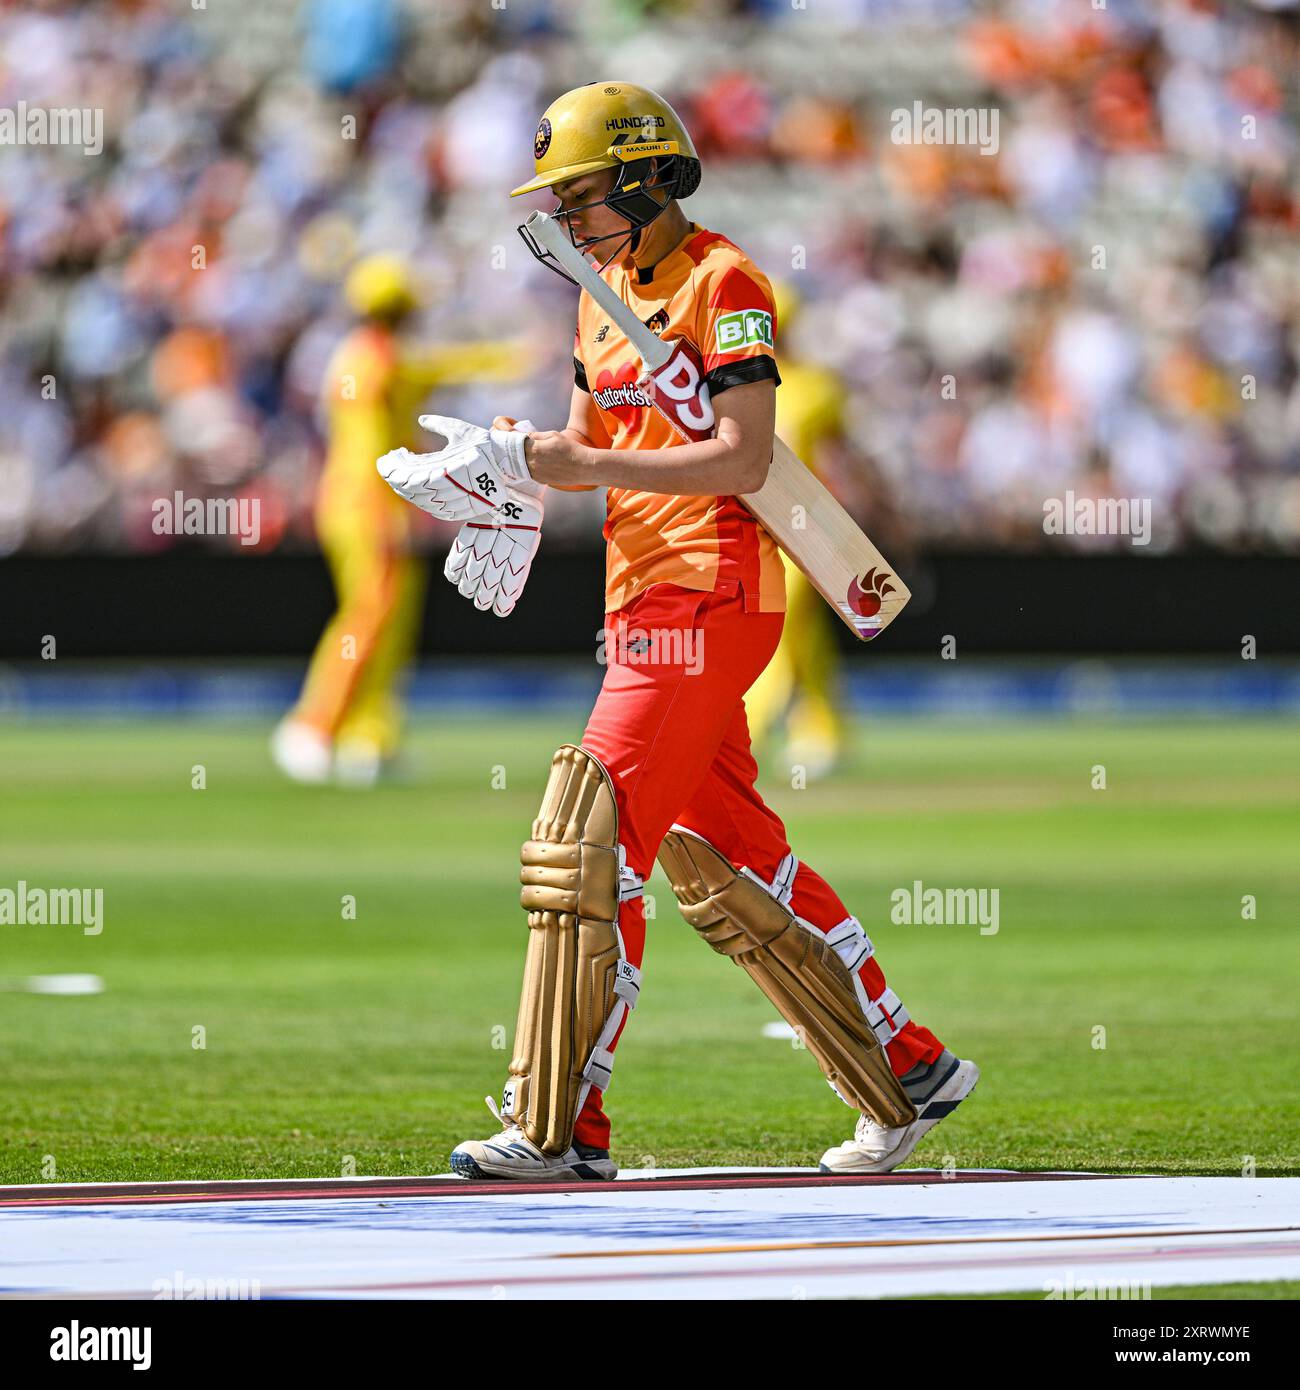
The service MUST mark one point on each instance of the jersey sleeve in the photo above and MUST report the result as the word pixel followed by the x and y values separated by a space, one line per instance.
pixel 579 366
pixel 736 327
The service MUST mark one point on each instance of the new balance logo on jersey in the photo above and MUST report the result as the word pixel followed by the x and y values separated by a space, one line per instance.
pixel 604 328
pixel 743 329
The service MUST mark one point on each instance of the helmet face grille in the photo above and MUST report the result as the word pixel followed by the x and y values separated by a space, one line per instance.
pixel 630 197
pixel 543 255
pixel 676 177
pixel 637 197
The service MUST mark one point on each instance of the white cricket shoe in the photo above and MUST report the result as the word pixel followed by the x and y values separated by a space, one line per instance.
pixel 358 763
pixel 511 1154
pixel 935 1088
pixel 302 753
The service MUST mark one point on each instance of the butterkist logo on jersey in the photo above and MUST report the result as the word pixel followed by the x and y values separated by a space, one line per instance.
pixel 621 392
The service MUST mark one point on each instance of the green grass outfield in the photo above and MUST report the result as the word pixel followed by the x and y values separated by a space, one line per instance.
pixel 371 1042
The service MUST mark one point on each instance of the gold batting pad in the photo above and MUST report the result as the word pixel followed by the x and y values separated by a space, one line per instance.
pixel 796 969
pixel 570 878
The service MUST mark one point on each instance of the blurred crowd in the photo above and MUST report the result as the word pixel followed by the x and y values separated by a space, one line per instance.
pixel 1107 304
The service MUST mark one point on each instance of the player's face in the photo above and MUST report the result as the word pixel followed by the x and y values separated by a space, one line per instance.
pixel 592 218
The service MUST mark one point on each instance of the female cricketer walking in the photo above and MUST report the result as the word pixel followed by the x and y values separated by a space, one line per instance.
pixel 695 602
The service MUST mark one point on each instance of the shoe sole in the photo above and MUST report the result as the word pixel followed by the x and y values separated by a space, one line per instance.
pixel 944 1105
pixel 465 1166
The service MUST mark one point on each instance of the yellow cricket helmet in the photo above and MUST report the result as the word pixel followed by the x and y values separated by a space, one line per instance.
pixel 381 287
pixel 605 125
pixel 613 125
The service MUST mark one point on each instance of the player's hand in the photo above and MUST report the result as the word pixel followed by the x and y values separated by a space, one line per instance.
pixel 471 477
pixel 553 457
pixel 489 560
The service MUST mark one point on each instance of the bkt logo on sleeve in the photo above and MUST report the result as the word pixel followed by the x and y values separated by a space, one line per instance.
pixel 743 329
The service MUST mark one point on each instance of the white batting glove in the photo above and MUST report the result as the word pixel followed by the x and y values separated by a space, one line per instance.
pixel 489 560
pixel 471 477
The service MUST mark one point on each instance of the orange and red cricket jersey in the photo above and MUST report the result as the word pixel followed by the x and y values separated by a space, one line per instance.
pixel 707 292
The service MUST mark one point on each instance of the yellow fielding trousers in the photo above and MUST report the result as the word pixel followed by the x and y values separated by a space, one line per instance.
pixel 351 692
pixel 801 678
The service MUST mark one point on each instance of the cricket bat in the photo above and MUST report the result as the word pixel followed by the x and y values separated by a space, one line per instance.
pixel 793 505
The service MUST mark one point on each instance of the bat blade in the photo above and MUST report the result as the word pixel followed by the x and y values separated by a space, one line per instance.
pixel 831 549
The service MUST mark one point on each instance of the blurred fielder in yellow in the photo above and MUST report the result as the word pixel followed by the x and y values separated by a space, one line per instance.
pixel 347 722
pixel 801 683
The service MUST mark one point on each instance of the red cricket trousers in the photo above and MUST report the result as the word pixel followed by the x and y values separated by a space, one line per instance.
pixel 669 726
